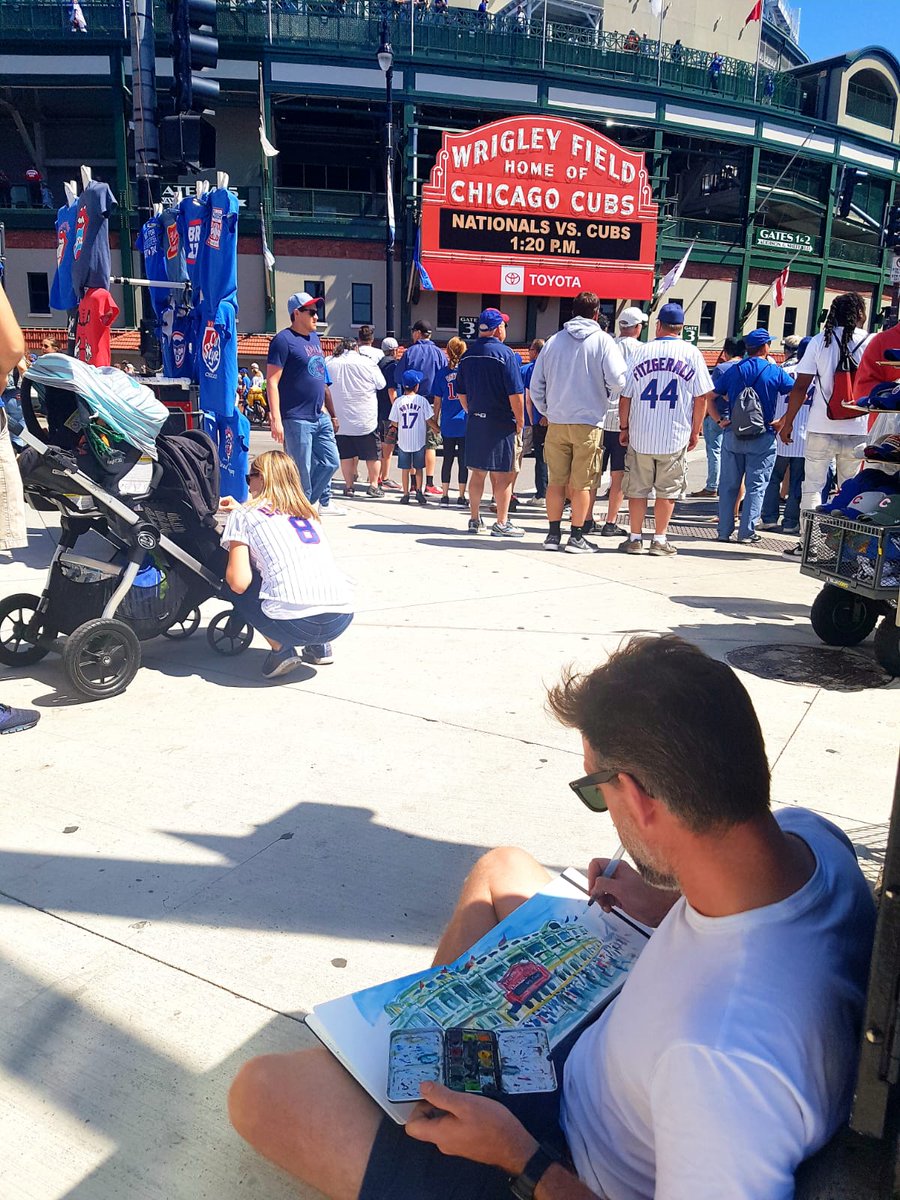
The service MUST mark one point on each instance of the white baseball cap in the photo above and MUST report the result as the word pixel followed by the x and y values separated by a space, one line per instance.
pixel 632 316
pixel 388 344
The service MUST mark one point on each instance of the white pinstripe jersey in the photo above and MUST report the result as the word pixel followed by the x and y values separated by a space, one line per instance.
pixel 664 378
pixel 299 575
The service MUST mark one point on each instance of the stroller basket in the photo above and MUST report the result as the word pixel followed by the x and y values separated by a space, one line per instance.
pixel 79 590
pixel 852 554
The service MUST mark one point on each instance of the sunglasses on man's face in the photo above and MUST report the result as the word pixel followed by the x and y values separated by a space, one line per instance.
pixel 587 789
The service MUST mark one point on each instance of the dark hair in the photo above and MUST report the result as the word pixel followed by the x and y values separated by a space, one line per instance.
pixel 585 304
pixel 734 347
pixel 849 312
pixel 345 345
pixel 366 334
pixel 602 321
pixel 537 344
pixel 680 722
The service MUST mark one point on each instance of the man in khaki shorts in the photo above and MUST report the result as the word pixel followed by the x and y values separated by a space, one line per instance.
pixel 660 413
pixel 575 374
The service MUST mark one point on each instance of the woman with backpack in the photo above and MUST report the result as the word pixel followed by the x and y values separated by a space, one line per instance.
pixel 750 391
pixel 833 431
pixel 281 574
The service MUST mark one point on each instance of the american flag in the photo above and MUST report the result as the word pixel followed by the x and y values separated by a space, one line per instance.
pixel 779 286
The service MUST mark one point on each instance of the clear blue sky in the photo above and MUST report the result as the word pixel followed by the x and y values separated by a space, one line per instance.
pixel 829 27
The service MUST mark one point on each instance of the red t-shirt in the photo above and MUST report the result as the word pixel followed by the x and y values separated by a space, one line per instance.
pixel 96 313
pixel 869 373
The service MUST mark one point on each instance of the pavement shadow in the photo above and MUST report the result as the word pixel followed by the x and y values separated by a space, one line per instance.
pixel 744 608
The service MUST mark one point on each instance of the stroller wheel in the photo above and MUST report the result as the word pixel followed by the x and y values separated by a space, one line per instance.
pixel 229 634
pixel 101 658
pixel 18 647
pixel 184 626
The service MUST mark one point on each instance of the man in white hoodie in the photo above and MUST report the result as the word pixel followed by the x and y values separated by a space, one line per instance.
pixel 575 374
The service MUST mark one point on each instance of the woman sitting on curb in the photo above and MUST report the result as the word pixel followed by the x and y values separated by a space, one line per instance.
pixel 281 574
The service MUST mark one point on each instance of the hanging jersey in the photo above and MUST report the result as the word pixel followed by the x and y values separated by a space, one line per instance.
pixel 176 268
pixel 151 245
pixel 96 313
pixel 664 378
pixel 62 292
pixel 191 213
pixel 178 343
pixel 217 361
pixel 217 268
pixel 232 438
pixel 90 252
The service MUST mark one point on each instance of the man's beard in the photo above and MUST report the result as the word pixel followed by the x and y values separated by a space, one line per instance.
pixel 658 874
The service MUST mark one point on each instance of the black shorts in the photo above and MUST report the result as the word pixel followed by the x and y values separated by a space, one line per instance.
pixel 613 451
pixel 490 446
pixel 364 446
pixel 400 1168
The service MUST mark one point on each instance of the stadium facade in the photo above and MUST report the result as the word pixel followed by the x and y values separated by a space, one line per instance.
pixel 769 161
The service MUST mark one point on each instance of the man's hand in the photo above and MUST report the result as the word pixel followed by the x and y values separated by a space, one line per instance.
pixel 628 891
pixel 785 430
pixel 623 437
pixel 276 429
pixel 472 1127
pixel 693 440
pixel 543 421
pixel 335 424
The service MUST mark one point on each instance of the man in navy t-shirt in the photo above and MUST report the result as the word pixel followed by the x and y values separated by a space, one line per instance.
pixel 489 386
pixel 301 414
pixel 747 458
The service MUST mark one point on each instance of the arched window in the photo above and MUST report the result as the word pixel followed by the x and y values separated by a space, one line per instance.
pixel 872 97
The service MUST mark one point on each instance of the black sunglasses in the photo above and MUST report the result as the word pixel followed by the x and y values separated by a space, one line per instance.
pixel 254 474
pixel 587 789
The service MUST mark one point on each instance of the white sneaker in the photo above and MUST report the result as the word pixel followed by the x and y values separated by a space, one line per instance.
pixel 332 510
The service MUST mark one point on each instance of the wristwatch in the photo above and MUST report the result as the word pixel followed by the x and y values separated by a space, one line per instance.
pixel 522 1186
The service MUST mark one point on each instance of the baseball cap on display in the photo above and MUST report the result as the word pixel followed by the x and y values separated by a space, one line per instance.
pixel 759 337
pixel 887 512
pixel 632 316
pixel 302 300
pixel 422 326
pixel 411 379
pixel 492 318
pixel 389 345
pixel 671 314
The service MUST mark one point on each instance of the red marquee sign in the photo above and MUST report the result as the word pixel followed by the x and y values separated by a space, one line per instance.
pixel 538 206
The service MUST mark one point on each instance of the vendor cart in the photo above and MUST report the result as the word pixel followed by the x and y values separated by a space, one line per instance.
pixel 859 563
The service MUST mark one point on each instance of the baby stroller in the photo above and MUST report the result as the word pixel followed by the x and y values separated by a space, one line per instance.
pixel 150 499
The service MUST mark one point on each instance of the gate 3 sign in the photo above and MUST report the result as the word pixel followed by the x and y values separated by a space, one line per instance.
pixel 538 206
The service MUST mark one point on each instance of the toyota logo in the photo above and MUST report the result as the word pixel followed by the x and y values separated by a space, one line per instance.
pixel 512 277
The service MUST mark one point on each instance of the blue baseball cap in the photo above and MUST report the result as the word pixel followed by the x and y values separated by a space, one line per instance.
pixel 671 314
pixel 759 337
pixel 492 318
pixel 801 349
pixel 411 379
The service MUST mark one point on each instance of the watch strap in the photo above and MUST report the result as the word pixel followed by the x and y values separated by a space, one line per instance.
pixel 523 1185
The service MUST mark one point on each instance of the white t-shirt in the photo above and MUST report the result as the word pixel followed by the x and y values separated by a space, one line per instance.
pixel 664 378
pixel 292 555
pixel 370 352
pixel 821 361
pixel 410 413
pixel 355 379
pixel 728 1057
pixel 629 347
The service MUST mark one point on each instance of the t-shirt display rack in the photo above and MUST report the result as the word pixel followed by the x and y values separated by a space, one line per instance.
pixel 189 251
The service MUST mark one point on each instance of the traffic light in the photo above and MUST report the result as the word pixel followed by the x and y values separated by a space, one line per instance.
pixel 195 47
pixel 848 187
pixel 892 226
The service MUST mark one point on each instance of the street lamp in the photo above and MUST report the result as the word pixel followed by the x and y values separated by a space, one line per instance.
pixel 385 57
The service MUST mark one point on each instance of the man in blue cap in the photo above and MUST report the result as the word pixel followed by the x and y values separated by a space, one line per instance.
pixel 749 392
pixel 490 388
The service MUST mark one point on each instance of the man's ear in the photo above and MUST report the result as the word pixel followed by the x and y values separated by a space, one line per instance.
pixel 644 809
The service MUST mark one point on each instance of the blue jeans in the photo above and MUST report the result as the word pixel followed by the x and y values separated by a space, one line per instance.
pixel 313 632
pixel 712 439
pixel 312 446
pixel 752 460
pixel 771 500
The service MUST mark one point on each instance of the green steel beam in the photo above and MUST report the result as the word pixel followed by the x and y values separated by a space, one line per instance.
pixel 826 246
pixel 123 187
pixel 746 258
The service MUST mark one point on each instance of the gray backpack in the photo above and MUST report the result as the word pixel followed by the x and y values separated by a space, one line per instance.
pixel 747 418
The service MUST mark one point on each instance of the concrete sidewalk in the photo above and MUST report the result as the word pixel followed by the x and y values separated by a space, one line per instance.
pixel 188 868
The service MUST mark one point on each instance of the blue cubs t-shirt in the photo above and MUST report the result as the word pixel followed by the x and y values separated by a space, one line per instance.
pixel 453 415
pixel 489 373
pixel 301 389
pixel 176 267
pixel 218 250
pixel 177 337
pixel 191 213
pixel 151 245
pixel 217 361
pixel 232 438
pixel 768 380
pixel 90 253
pixel 62 292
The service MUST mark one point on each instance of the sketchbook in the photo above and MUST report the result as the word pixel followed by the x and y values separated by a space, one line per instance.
pixel 551 965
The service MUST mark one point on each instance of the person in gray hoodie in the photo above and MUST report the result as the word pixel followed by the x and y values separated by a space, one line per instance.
pixel 575 374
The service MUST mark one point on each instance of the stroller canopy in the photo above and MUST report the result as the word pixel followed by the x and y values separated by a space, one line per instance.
pixel 125 405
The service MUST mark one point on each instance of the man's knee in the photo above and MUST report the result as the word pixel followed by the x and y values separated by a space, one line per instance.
pixel 507 866
pixel 252 1096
